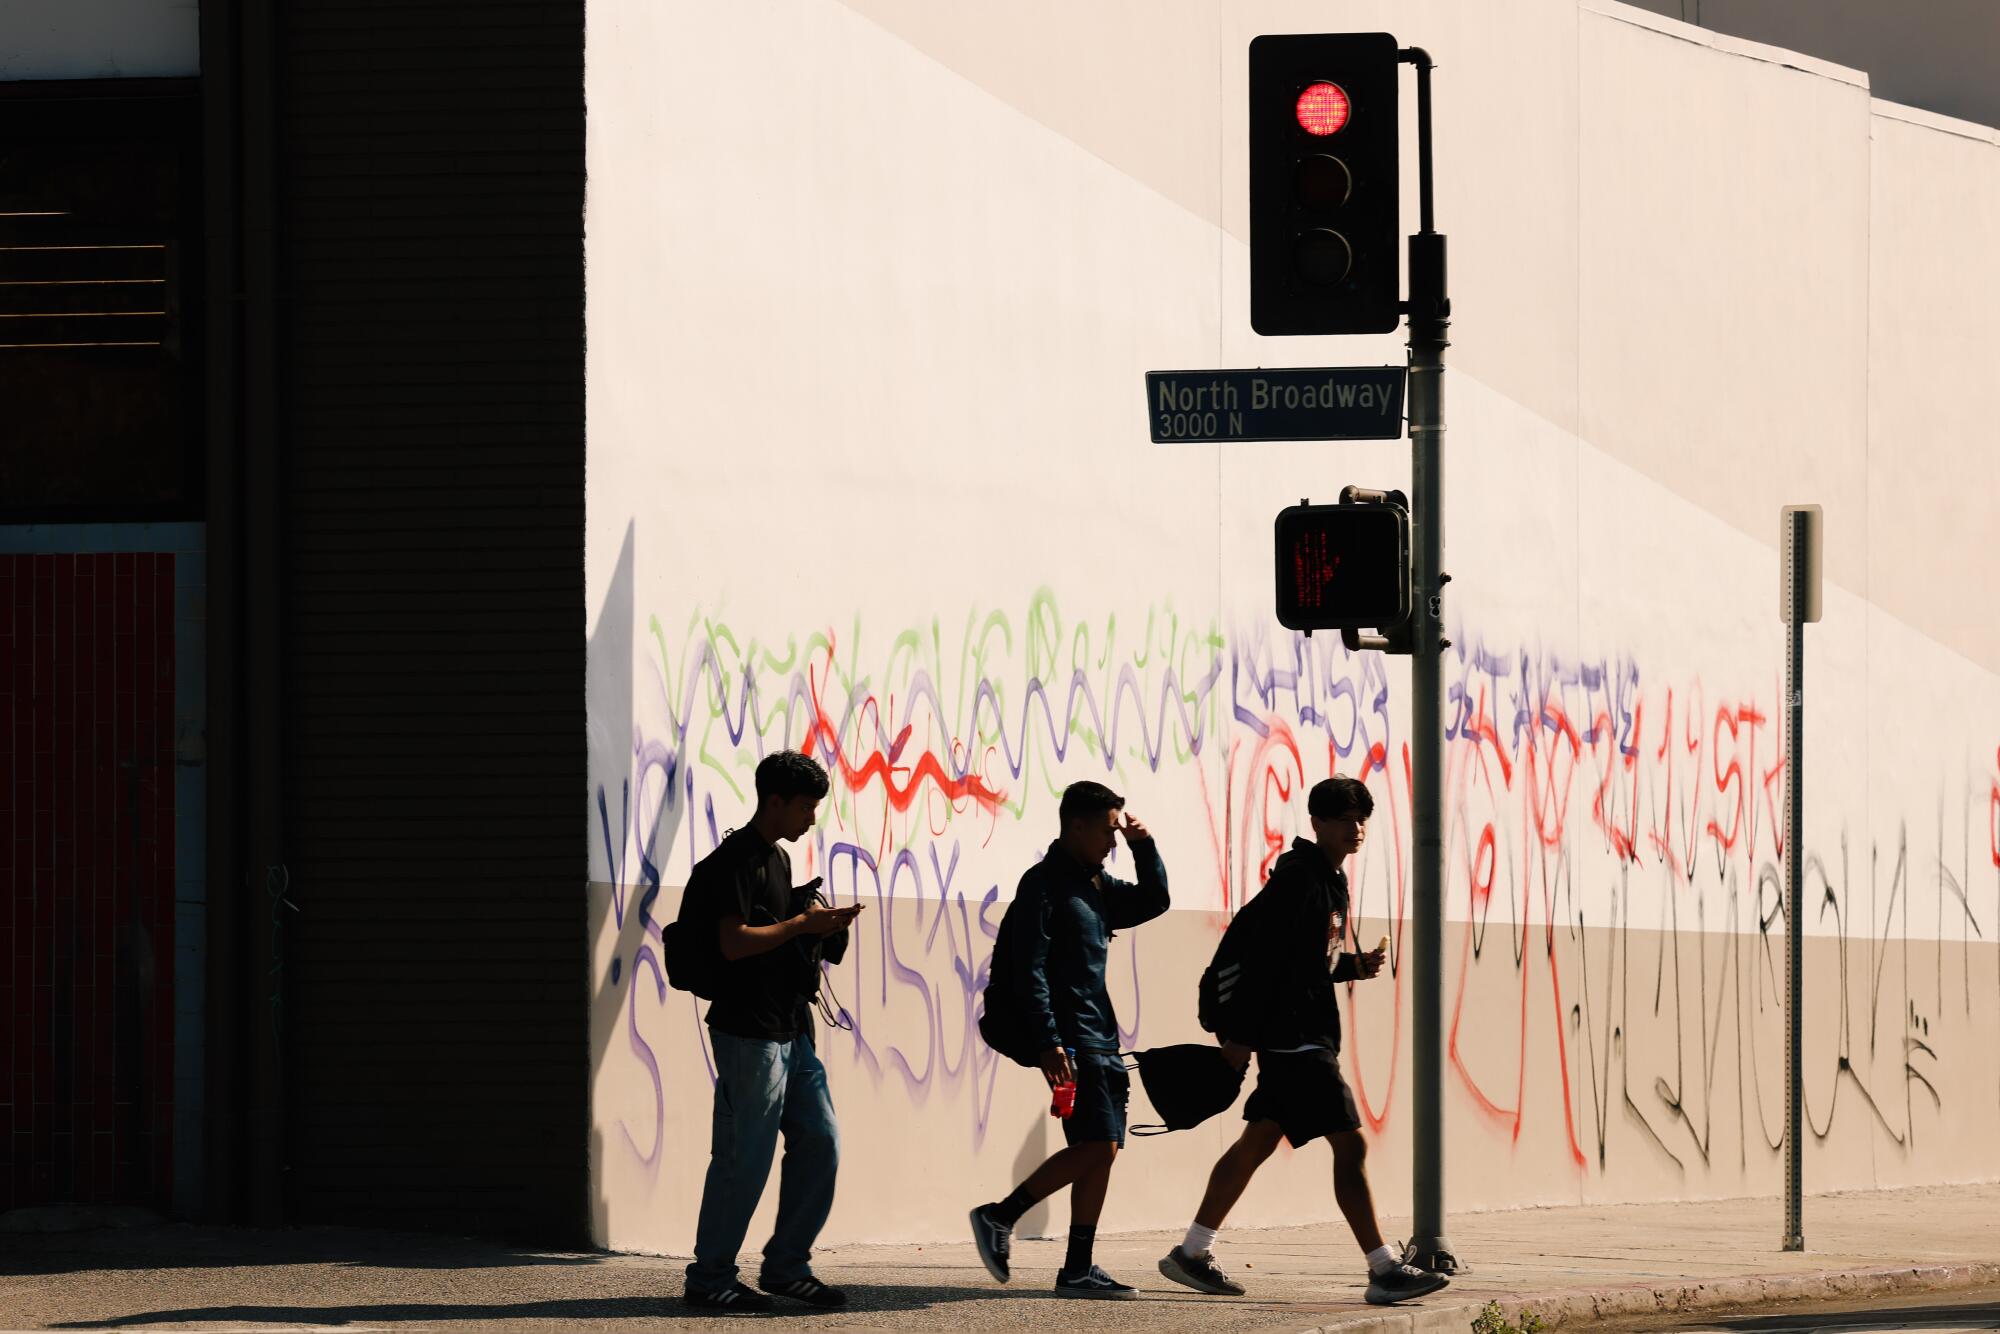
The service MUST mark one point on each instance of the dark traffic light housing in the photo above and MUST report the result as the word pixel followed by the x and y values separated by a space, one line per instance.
pixel 1325 239
pixel 1345 566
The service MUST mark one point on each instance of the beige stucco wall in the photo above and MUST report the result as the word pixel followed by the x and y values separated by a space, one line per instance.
pixel 872 289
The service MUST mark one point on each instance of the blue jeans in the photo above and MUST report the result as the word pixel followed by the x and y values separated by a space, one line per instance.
pixel 762 1088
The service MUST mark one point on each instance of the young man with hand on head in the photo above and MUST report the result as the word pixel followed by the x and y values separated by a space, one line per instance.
pixel 1273 986
pixel 1050 957
pixel 768 1078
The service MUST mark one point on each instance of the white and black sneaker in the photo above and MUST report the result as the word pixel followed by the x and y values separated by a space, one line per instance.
pixel 1092 1282
pixel 1199 1272
pixel 736 1297
pixel 994 1241
pixel 806 1289
pixel 1400 1283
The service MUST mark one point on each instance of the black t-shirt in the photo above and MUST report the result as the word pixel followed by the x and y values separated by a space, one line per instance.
pixel 763 996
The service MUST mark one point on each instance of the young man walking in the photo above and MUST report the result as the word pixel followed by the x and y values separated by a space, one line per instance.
pixel 768 1078
pixel 1049 960
pixel 1273 988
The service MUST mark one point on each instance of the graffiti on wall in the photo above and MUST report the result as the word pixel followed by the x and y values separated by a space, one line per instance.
pixel 1614 844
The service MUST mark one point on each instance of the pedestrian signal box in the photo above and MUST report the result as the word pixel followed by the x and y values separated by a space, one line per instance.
pixel 1342 567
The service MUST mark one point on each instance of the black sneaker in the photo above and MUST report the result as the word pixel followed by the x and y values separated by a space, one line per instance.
pixel 808 1290
pixel 1199 1272
pixel 736 1297
pixel 1400 1283
pixel 1092 1282
pixel 995 1240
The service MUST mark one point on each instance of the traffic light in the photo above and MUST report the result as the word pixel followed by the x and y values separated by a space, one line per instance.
pixel 1343 566
pixel 1325 244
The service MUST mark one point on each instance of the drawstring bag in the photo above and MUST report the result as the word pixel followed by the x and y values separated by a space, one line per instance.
pixel 1186 1084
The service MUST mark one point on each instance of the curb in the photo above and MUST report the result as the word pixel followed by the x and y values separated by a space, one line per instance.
pixel 1580 1308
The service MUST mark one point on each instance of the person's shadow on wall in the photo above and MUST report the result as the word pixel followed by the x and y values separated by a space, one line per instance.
pixel 635 810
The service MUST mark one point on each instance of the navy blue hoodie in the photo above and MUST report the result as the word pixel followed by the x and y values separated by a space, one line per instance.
pixel 1050 953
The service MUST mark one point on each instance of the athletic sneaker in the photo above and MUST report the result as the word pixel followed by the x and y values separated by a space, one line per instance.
pixel 733 1298
pixel 808 1290
pixel 1199 1272
pixel 994 1241
pixel 1399 1283
pixel 1092 1282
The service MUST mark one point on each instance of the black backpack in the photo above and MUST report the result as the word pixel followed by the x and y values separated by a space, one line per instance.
pixel 1000 1026
pixel 692 952
pixel 1186 1084
pixel 1232 996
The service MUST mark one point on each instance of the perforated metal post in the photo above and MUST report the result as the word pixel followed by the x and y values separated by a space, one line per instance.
pixel 1798 580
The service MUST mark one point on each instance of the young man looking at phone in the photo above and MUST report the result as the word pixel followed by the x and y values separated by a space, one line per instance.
pixel 768 1077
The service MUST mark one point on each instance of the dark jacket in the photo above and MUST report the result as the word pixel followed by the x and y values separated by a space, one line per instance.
pixel 763 996
pixel 1284 949
pixel 1049 956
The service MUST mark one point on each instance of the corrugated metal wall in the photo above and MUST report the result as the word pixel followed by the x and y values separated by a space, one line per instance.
pixel 429 181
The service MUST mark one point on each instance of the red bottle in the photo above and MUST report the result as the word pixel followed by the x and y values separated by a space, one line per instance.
pixel 1062 1101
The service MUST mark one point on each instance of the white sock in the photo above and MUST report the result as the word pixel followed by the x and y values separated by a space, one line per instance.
pixel 1200 1240
pixel 1381 1258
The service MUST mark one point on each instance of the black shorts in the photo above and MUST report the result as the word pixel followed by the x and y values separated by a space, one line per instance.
pixel 1102 1090
pixel 1303 1092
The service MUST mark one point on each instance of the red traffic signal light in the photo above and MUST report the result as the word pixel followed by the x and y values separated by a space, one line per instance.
pixel 1343 566
pixel 1325 241
pixel 1322 109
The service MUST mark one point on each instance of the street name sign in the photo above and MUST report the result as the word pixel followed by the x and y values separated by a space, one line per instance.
pixel 1323 403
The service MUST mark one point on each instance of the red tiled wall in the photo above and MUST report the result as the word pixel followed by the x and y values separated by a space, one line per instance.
pixel 87 876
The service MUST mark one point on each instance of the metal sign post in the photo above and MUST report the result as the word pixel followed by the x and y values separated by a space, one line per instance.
pixel 1800 544
pixel 1429 312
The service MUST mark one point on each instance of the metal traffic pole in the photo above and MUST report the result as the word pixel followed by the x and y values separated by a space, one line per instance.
pixel 1429 317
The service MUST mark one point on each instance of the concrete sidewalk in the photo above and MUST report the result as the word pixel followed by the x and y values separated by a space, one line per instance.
pixel 1570 1266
